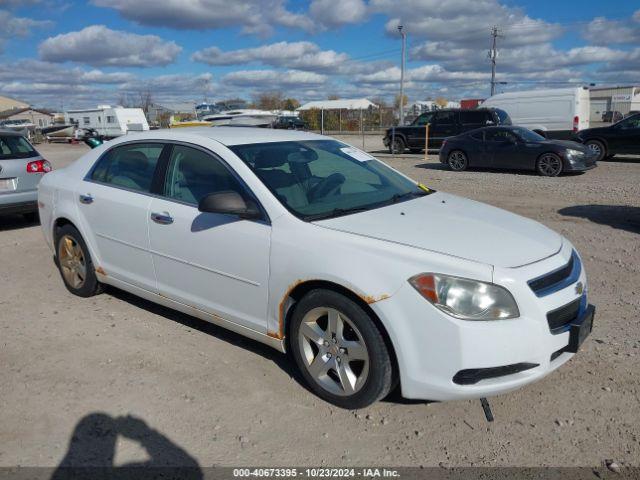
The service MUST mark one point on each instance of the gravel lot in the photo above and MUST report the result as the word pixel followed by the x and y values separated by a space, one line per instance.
pixel 225 400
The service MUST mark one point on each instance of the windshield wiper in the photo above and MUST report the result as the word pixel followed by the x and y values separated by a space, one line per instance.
pixel 336 212
pixel 401 196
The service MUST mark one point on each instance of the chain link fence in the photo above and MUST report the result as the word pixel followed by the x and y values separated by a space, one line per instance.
pixel 373 120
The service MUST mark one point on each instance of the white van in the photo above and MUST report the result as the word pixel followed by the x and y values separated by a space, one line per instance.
pixel 107 121
pixel 556 113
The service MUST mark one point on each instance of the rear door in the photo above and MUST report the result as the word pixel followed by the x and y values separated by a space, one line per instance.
pixel 445 124
pixel 114 201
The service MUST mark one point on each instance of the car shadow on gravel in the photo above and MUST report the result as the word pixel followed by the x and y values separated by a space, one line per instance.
pixel 621 217
pixel 16 222
pixel 622 159
pixel 92 451
pixel 281 360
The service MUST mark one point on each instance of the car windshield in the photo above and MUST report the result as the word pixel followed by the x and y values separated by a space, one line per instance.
pixel 325 178
pixel 15 146
pixel 528 135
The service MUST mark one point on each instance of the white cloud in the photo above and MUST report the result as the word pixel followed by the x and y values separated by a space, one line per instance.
pixel 254 16
pixel 100 46
pixel 297 55
pixel 273 79
pixel 330 13
pixel 20 27
pixel 602 31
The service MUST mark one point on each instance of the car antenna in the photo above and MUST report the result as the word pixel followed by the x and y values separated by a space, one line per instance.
pixel 487 409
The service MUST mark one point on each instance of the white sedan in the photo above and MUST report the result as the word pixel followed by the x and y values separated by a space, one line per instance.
pixel 311 246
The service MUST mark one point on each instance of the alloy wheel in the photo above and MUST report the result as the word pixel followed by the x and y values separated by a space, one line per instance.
pixel 550 165
pixel 595 148
pixel 457 160
pixel 72 262
pixel 333 351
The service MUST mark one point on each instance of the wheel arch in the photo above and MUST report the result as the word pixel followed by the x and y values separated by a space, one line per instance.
pixel 598 139
pixel 291 298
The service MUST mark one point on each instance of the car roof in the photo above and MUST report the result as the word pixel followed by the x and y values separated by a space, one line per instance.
pixel 10 132
pixel 228 136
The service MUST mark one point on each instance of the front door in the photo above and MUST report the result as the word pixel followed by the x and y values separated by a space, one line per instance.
pixel 504 149
pixel 114 200
pixel 625 136
pixel 417 132
pixel 213 262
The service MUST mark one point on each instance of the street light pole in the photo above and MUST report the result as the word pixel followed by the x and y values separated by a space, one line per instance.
pixel 401 102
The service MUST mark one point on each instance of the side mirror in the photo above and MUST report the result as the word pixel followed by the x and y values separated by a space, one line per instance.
pixel 229 203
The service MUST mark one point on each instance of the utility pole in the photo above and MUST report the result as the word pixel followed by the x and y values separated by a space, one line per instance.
pixel 493 54
pixel 404 41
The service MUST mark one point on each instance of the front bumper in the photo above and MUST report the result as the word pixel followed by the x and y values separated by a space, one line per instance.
pixel 580 164
pixel 432 347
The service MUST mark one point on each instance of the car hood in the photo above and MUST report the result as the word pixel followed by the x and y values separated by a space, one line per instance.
pixel 455 226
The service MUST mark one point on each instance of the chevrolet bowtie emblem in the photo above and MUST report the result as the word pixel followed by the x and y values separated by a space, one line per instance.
pixel 579 288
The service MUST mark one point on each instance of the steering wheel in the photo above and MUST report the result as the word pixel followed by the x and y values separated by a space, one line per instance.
pixel 326 186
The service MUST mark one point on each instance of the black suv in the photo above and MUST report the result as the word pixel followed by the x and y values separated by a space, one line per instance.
pixel 442 124
pixel 622 137
pixel 290 122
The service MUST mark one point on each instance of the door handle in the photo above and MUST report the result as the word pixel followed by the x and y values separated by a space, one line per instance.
pixel 162 218
pixel 86 199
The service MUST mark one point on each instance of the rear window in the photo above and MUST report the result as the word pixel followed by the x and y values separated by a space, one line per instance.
pixel 15 146
pixel 503 116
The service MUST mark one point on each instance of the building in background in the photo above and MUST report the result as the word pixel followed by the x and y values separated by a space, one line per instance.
pixel 606 101
pixel 7 103
pixel 37 118
pixel 470 103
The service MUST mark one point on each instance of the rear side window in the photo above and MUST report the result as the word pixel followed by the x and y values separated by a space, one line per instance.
pixel 424 119
pixel 194 174
pixel 445 118
pixel 501 135
pixel 474 117
pixel 15 146
pixel 129 166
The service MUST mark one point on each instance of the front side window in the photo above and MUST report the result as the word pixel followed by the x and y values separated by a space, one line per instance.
pixel 194 174
pixel 424 119
pixel 501 136
pixel 325 178
pixel 631 122
pixel 15 146
pixel 129 166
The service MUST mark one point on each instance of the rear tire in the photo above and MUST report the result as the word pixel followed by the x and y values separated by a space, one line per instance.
pixel 457 160
pixel 597 147
pixel 75 264
pixel 549 165
pixel 339 350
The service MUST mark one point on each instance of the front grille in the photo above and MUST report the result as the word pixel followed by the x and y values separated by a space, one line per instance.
pixel 558 279
pixel 560 317
pixel 472 376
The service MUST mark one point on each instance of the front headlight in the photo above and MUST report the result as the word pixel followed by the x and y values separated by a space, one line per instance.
pixel 574 153
pixel 465 298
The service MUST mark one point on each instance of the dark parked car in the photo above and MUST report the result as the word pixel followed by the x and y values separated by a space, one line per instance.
pixel 290 123
pixel 515 148
pixel 442 124
pixel 621 137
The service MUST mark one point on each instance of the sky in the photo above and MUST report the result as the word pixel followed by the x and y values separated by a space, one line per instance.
pixel 62 54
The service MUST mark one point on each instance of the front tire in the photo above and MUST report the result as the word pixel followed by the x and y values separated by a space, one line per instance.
pixel 339 350
pixel 75 264
pixel 549 165
pixel 597 147
pixel 397 146
pixel 457 161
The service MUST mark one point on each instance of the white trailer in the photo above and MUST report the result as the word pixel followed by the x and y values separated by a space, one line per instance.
pixel 555 113
pixel 107 121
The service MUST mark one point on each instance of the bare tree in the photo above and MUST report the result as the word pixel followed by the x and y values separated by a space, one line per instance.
pixel 145 100
pixel 269 101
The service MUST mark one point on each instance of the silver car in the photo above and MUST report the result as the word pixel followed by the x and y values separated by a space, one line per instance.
pixel 21 168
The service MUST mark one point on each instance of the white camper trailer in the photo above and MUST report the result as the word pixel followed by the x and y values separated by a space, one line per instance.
pixel 107 121
pixel 555 113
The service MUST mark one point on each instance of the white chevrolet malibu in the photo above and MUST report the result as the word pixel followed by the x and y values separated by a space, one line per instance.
pixel 311 246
